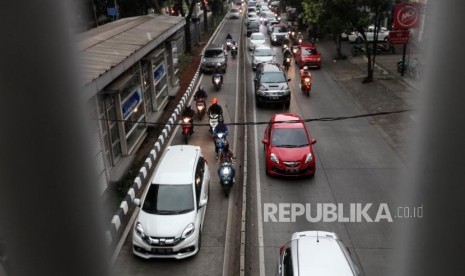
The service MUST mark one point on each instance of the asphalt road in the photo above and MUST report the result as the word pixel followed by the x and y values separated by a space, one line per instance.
pixel 355 165
pixel 220 236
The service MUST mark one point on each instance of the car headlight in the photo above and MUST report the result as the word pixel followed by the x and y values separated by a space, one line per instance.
pixel 188 231
pixel 140 230
pixel 274 158
pixel 309 158
pixel 287 92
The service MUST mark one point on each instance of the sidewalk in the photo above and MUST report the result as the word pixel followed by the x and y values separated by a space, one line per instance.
pixel 388 92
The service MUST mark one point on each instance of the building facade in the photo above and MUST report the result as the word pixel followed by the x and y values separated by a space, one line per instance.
pixel 129 68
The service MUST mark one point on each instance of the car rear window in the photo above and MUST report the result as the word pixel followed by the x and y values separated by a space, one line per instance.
pixel 263 52
pixel 213 53
pixel 309 52
pixel 273 77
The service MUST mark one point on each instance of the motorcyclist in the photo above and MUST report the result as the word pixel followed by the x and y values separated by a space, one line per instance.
pixel 220 128
pixel 286 54
pixel 200 94
pixel 218 72
pixel 300 37
pixel 215 108
pixel 227 156
pixel 304 73
pixel 188 112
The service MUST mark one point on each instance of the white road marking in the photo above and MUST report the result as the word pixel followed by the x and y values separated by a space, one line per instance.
pixel 261 254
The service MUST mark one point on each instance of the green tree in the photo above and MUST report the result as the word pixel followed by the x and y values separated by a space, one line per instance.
pixel 188 16
pixel 342 16
pixel 378 11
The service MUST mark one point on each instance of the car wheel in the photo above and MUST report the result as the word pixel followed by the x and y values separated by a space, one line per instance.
pixel 287 104
pixel 257 102
pixel 359 40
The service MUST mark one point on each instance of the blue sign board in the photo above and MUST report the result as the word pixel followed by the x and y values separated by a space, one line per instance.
pixel 159 73
pixel 132 102
pixel 113 11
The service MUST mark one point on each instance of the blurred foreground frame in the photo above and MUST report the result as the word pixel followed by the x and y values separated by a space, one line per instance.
pixel 434 244
pixel 50 215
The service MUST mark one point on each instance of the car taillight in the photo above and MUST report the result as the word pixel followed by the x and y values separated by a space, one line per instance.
pixel 281 249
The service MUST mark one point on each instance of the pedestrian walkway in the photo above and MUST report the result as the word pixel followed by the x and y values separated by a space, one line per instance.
pixel 388 92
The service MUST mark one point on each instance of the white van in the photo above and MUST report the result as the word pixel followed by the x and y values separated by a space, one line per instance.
pixel 172 209
pixel 315 253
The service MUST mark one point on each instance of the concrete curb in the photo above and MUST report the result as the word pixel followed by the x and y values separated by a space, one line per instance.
pixel 140 181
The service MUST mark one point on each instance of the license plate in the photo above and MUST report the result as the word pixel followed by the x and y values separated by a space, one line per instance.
pixel 274 98
pixel 162 250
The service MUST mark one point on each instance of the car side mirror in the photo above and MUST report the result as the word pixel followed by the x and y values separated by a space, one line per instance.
pixel 203 202
pixel 313 141
pixel 265 141
pixel 136 201
pixel 289 79
pixel 255 80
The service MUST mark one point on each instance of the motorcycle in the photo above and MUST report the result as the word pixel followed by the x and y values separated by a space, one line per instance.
pixel 226 174
pixel 234 51
pixel 217 81
pixel 380 49
pixel 228 43
pixel 200 106
pixel 411 68
pixel 186 128
pixel 287 63
pixel 306 85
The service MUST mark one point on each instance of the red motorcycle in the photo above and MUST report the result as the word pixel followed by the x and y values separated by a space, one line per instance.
pixel 201 106
pixel 186 128
pixel 306 82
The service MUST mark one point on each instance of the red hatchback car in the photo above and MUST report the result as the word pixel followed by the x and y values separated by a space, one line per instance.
pixel 308 55
pixel 288 147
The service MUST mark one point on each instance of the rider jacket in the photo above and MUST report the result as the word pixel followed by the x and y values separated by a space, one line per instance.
pixel 200 94
pixel 188 113
pixel 221 128
pixel 215 109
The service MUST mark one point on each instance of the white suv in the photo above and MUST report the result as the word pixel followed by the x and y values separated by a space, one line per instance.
pixel 315 253
pixel 172 209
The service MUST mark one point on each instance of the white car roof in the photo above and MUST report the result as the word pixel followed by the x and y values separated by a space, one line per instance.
pixel 321 255
pixel 177 165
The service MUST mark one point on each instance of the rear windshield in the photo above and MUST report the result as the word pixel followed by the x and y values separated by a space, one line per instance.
pixel 214 53
pixel 271 77
pixel 309 52
pixel 280 29
pixel 263 52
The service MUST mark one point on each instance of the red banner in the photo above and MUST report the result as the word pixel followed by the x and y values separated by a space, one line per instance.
pixel 399 37
pixel 406 16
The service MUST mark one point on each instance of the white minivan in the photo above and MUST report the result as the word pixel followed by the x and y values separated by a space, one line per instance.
pixel 315 253
pixel 172 208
